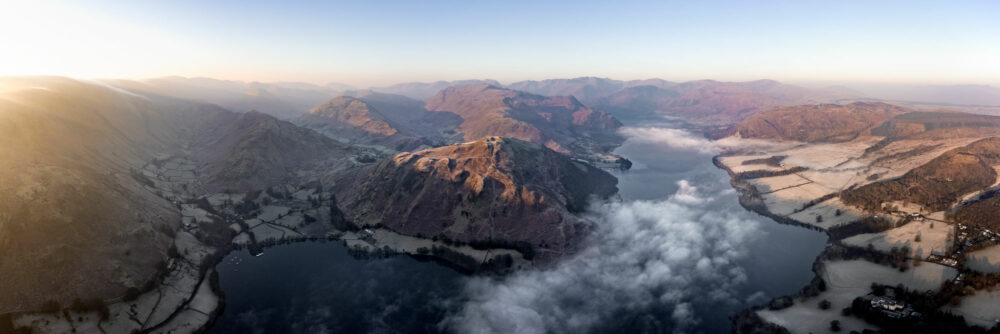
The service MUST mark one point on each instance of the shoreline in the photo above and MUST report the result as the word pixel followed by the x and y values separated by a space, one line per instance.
pixel 750 201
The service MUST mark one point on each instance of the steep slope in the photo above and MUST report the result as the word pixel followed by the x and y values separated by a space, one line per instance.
pixel 253 150
pixel 74 223
pixel 81 214
pixel 560 123
pixel 353 120
pixel 817 123
pixel 411 117
pixel 349 114
pixel 489 189
pixel 984 213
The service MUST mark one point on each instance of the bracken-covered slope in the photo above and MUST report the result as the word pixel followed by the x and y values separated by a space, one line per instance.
pixel 489 189
pixel 560 123
pixel 818 122
pixel 938 184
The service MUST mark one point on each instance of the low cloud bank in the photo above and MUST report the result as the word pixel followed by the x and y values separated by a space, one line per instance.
pixel 675 138
pixel 666 255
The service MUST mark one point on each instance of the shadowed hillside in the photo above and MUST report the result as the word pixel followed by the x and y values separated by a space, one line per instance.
pixel 82 216
pixel 489 189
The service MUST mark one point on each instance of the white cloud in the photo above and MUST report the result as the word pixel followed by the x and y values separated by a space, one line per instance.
pixel 669 254
pixel 676 138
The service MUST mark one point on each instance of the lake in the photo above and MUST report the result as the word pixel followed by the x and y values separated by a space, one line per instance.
pixel 317 287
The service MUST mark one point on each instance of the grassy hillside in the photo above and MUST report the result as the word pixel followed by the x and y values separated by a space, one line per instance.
pixel 937 184
pixel 817 123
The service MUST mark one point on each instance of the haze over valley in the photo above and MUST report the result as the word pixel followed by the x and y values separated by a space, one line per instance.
pixel 555 167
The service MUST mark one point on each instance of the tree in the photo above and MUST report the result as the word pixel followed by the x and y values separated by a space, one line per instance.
pixel 837 212
pixel 917 238
pixel 819 218
pixel 824 304
pixel 132 293
pixel 51 306
pixel 835 326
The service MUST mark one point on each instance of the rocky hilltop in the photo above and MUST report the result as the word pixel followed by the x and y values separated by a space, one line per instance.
pixel 561 123
pixel 491 189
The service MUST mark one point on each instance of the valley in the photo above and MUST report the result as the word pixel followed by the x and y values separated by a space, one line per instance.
pixel 222 181
pixel 487 180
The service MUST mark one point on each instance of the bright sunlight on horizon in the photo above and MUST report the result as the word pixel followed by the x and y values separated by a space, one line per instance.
pixel 377 43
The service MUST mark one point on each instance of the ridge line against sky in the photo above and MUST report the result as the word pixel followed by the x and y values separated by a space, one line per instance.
pixel 374 43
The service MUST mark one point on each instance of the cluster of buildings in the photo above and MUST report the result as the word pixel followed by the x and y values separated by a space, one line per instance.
pixel 893 308
pixel 969 235
pixel 936 257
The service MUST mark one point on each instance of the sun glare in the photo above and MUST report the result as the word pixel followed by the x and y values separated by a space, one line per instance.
pixel 42 38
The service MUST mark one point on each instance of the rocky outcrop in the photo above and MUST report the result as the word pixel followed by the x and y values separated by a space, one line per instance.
pixel 490 189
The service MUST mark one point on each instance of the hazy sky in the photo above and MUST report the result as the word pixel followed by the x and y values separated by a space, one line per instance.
pixel 365 42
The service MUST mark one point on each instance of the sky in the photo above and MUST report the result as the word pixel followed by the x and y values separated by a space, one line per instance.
pixel 368 43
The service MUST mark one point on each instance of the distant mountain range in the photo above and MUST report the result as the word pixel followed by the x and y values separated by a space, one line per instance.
pixel 701 102
pixel 979 95
pixel 283 100
pixel 100 178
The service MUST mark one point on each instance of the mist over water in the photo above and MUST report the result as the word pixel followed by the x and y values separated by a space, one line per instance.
pixel 676 254
pixel 673 256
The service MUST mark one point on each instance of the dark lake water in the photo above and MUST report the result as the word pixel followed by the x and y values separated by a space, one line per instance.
pixel 316 287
